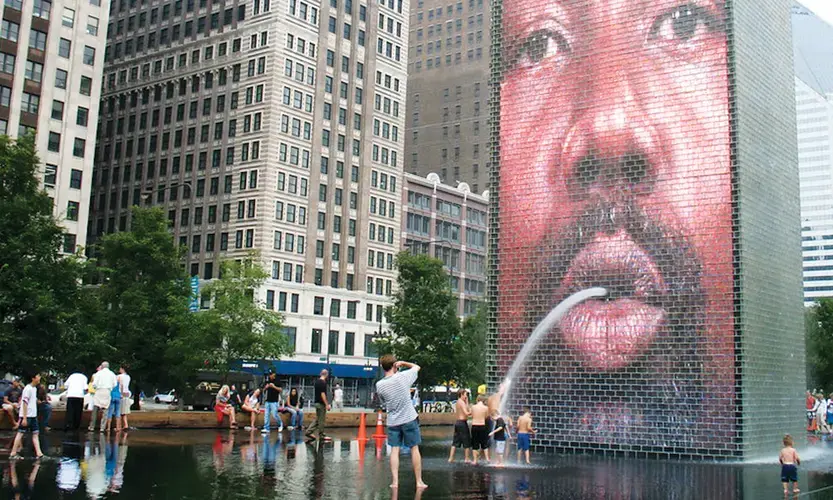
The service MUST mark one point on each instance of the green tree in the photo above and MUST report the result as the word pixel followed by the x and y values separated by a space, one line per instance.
pixel 424 327
pixel 470 350
pixel 145 295
pixel 237 326
pixel 819 341
pixel 42 304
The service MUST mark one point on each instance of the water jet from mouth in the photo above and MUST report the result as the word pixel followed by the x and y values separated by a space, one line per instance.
pixel 543 327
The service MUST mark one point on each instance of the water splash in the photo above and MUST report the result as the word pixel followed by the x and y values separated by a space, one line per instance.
pixel 543 327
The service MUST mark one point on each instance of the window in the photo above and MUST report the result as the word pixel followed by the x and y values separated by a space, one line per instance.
pixel 37 40
pixel 318 306
pixel 60 79
pixel 81 116
pixel 34 71
pixel 315 346
pixel 30 103
pixel 92 25
pixel 349 343
pixel 332 344
pixel 78 147
pixel 7 63
pixel 68 17
pixel 57 110
pixel 9 30
pixel 64 47
pixel 89 55
pixel 49 175
pixel 41 9
pixel 74 179
pixel 54 143
pixel 86 86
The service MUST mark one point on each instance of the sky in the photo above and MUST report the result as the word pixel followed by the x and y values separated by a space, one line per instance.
pixel 822 8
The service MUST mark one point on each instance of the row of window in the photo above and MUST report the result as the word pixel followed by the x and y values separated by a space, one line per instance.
pixel 347 31
pixel 339 170
pixel 166 36
pixel 289 242
pixel 378 259
pixel 436 62
pixel 300 45
pixel 389 49
pixel 379 286
pixel 176 165
pixel 304 11
pixel 383 208
pixel 321 224
pixel 285 272
pixel 383 234
pixel 335 254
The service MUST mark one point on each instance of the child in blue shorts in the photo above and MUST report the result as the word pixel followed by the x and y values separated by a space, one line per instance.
pixel 523 434
pixel 789 464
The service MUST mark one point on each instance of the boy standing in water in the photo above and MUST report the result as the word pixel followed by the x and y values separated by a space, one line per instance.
pixel 462 436
pixel 524 430
pixel 480 429
pixel 789 464
pixel 28 418
pixel 500 432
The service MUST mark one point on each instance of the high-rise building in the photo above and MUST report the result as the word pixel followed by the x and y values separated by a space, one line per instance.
pixel 266 127
pixel 448 76
pixel 51 61
pixel 813 58
pixel 449 223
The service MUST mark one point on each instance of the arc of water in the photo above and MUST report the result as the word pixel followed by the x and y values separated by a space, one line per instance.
pixel 543 327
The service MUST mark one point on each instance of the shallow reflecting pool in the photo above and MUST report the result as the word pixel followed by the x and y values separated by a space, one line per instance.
pixel 243 465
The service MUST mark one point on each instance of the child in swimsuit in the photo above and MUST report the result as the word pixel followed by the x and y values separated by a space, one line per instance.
pixel 789 464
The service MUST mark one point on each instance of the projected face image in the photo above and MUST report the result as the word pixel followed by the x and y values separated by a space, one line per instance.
pixel 614 172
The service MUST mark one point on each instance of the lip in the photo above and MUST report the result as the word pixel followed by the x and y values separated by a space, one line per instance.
pixel 611 333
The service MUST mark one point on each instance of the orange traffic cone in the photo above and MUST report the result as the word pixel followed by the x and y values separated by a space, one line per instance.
pixel 380 427
pixel 362 437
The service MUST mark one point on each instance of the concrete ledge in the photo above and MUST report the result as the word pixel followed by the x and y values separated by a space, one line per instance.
pixel 208 419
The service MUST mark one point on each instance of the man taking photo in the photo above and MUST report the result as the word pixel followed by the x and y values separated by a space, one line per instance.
pixel 394 393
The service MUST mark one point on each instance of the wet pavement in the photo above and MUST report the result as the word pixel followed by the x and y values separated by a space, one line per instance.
pixel 244 465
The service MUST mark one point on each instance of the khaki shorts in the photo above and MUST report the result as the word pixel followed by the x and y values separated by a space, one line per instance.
pixel 125 405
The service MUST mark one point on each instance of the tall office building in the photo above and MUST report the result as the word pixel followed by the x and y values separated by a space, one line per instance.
pixel 448 75
pixel 813 55
pixel 449 223
pixel 51 60
pixel 266 126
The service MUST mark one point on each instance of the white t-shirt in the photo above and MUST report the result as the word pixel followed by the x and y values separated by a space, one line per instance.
pixel 820 410
pixel 339 394
pixel 251 400
pixel 30 398
pixel 395 393
pixel 76 384
pixel 124 384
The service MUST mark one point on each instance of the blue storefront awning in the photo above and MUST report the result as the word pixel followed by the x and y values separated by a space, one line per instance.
pixel 306 368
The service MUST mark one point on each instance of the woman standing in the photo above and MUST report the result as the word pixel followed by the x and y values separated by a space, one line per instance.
pixel 222 407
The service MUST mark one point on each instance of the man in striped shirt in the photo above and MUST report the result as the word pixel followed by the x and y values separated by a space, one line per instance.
pixel 403 425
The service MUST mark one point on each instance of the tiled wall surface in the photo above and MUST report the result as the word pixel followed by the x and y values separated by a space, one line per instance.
pixel 651 152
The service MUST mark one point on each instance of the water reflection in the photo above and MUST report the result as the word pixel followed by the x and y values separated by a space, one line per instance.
pixel 227 465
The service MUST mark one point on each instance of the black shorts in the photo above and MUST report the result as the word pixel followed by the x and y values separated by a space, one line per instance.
pixel 462 436
pixel 479 437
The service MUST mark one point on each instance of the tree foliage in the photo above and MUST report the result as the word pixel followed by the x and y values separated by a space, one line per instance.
pixel 144 294
pixel 42 305
pixel 237 326
pixel 819 341
pixel 424 328
pixel 470 350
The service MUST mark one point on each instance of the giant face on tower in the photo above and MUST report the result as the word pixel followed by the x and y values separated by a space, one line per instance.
pixel 615 172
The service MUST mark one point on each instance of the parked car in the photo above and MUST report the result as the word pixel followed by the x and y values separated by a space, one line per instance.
pixel 208 383
pixel 58 399
pixel 165 397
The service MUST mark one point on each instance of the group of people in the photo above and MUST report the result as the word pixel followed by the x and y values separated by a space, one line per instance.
pixel 270 401
pixel 819 412
pixel 488 429
pixel 29 408
pixel 12 404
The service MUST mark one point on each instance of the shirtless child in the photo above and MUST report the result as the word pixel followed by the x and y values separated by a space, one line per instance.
pixel 480 429
pixel 524 430
pixel 462 436
pixel 789 465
